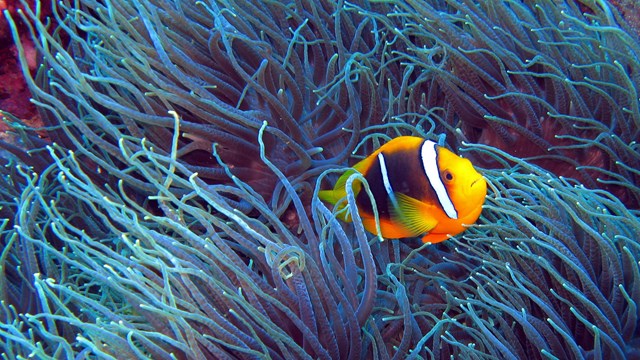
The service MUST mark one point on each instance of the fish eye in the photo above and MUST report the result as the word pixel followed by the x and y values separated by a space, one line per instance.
pixel 447 175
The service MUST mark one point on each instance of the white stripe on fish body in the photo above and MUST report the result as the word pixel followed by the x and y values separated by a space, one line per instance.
pixel 429 156
pixel 386 182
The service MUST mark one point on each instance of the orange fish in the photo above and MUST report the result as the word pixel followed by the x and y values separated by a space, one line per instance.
pixel 419 188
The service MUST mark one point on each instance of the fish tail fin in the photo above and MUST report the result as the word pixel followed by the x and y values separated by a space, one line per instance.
pixel 339 190
pixel 338 193
pixel 332 196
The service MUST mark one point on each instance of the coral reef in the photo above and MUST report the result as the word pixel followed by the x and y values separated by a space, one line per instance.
pixel 175 212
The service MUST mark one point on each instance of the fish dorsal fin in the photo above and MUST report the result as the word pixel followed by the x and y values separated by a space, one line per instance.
pixel 413 214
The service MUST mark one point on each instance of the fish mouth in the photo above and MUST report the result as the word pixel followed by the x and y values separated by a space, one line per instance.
pixel 476 180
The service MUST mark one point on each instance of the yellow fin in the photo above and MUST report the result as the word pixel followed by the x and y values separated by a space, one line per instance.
pixel 332 196
pixel 339 192
pixel 413 214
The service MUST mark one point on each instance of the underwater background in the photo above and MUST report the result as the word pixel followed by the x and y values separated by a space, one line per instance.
pixel 166 205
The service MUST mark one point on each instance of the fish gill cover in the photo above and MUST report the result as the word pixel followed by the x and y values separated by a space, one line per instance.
pixel 173 213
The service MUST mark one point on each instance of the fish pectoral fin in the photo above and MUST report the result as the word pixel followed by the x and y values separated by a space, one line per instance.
pixel 413 214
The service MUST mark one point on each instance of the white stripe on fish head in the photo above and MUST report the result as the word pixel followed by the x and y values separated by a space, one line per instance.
pixel 429 156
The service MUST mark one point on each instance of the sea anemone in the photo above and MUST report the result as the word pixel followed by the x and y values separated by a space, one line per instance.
pixel 551 270
pixel 174 214
pixel 545 82
pixel 224 69
pixel 542 80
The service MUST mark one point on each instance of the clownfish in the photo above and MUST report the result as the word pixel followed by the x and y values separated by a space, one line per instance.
pixel 418 187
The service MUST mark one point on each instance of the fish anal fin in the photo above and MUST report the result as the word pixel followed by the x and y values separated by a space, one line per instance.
pixel 413 214
pixel 434 238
